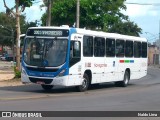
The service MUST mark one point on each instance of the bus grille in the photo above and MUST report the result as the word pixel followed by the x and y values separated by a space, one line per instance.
pixel 42 69
pixel 35 80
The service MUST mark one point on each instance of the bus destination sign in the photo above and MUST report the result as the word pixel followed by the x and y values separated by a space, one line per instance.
pixel 48 32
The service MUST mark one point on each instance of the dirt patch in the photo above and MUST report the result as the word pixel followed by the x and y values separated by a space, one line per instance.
pixel 4 77
pixel 11 82
pixel 7 75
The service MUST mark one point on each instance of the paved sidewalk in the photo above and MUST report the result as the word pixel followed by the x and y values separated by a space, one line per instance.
pixel 7 75
pixel 6 70
pixel 154 66
pixel 5 64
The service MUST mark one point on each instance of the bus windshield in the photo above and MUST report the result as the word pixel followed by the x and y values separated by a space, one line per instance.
pixel 45 52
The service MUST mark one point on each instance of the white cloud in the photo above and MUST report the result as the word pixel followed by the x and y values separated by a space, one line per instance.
pixel 34 12
pixel 146 17
pixel 135 10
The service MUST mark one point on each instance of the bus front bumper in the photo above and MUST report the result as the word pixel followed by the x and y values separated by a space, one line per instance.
pixel 57 81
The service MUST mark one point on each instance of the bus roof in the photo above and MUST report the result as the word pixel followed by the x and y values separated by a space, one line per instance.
pixel 94 33
pixel 109 35
pixel 50 27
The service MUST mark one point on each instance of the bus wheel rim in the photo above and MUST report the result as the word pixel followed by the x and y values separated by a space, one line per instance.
pixel 127 80
pixel 84 83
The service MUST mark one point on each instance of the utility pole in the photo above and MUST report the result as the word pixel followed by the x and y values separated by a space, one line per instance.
pixel 49 13
pixel 18 32
pixel 78 13
pixel 12 32
pixel 159 34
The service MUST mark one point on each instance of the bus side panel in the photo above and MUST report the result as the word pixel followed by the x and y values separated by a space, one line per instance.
pixel 110 70
pixel 143 69
pixel 120 69
pixel 74 80
pixel 71 80
pixel 135 69
pixel 96 66
pixel 75 75
pixel 60 81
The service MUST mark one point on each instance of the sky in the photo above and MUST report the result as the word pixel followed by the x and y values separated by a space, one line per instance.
pixel 32 13
pixel 146 15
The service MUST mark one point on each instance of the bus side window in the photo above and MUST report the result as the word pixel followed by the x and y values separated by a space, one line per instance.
pixel 120 48
pixel 110 47
pixel 71 50
pixel 75 49
pixel 87 46
pixel 75 52
pixel 129 49
pixel 99 47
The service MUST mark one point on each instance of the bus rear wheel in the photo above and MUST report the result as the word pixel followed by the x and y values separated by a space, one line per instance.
pixel 47 87
pixel 85 84
pixel 125 81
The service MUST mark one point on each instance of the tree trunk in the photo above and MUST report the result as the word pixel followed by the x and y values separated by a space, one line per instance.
pixel 78 14
pixel 17 36
pixel 49 13
pixel 2 49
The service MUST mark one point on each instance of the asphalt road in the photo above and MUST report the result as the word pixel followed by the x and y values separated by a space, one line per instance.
pixel 140 95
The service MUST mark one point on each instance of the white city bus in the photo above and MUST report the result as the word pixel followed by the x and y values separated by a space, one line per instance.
pixel 63 56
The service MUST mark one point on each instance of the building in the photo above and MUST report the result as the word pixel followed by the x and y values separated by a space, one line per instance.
pixel 153 55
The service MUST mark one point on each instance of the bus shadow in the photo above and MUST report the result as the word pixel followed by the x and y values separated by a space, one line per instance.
pixel 57 90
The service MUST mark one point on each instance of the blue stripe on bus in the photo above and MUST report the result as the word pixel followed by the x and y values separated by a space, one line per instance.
pixel 71 31
pixel 131 61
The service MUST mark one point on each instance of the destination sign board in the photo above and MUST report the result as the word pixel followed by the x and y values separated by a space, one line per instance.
pixel 48 32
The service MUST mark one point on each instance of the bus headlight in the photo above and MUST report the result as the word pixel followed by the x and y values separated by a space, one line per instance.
pixel 62 73
pixel 23 71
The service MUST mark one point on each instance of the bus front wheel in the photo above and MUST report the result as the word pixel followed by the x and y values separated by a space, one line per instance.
pixel 85 84
pixel 47 87
pixel 125 81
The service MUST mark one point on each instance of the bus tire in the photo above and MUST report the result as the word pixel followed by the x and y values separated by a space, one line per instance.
pixel 47 87
pixel 85 84
pixel 125 81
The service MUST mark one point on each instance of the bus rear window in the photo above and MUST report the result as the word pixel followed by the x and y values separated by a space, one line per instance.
pixel 137 49
pixel 144 49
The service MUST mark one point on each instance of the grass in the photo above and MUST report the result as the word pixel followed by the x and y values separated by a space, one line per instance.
pixel 17 73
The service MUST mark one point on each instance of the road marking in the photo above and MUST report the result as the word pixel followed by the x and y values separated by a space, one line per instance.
pixel 39 96
pixel 28 97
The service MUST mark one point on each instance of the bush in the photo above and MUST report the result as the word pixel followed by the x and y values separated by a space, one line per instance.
pixel 17 73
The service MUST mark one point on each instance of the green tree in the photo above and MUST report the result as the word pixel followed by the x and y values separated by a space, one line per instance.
pixel 7 24
pixel 20 6
pixel 126 28
pixel 6 27
pixel 93 13
pixel 103 15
